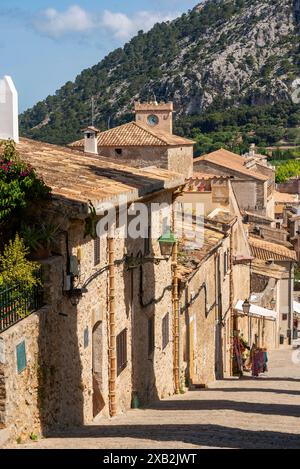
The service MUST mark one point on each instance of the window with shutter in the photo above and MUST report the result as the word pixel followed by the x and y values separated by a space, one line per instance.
pixel 96 251
pixel 121 351
pixel 151 340
pixel 165 331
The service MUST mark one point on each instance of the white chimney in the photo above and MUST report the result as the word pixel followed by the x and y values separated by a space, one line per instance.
pixel 91 140
pixel 9 121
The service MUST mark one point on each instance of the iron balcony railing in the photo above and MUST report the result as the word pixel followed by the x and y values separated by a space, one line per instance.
pixel 18 302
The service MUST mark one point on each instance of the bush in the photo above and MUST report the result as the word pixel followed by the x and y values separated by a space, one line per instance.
pixel 287 169
pixel 18 182
pixel 14 267
pixel 19 188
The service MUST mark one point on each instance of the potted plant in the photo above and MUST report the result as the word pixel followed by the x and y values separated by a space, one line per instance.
pixel 39 239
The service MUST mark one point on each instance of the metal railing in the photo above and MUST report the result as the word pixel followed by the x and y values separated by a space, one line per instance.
pixel 18 302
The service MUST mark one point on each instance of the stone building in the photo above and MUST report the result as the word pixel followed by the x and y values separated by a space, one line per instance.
pixel 147 141
pixel 292 218
pixel 272 282
pixel 253 182
pixel 104 335
pixel 205 300
pixel 291 186
pixel 214 282
pixel 287 214
pixel 122 322
pixel 283 203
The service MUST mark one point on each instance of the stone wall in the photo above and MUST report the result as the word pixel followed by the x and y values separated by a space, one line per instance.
pixel 2 388
pixel 284 299
pixel 250 193
pixel 140 294
pixel 28 396
pixel 292 186
pixel 262 328
pixel 65 382
pixel 201 350
pixel 177 159
pixel 180 160
pixel 258 283
pixel 246 194
pixel 157 156
pixel 20 406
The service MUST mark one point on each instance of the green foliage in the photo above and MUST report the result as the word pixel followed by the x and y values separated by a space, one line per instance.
pixel 20 188
pixel 287 169
pixel 279 155
pixel 15 267
pixel 297 273
pixel 236 128
pixel 39 236
pixel 91 222
pixel 19 183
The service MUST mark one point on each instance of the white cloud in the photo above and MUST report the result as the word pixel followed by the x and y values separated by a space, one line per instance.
pixel 124 27
pixel 56 24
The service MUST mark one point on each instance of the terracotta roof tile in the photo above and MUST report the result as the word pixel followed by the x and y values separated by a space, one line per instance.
pixel 135 135
pixel 206 176
pixel 81 178
pixel 229 160
pixel 282 197
pixel 190 259
pixel 265 250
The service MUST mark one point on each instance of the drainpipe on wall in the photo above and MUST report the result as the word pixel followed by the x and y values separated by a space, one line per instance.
pixel 176 305
pixel 112 330
pixel 231 295
pixel 176 319
pixel 290 315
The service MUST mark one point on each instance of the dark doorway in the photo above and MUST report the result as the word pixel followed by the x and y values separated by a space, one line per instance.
pixel 98 401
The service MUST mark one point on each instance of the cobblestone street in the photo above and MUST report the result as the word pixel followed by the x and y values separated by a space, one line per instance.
pixel 245 413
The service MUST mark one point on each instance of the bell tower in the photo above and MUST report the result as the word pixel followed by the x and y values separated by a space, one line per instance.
pixel 156 116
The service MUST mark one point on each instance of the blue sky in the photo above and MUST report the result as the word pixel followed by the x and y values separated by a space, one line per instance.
pixel 44 43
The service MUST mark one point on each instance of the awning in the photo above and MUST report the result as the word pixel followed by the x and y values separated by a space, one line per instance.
pixel 258 311
pixel 296 307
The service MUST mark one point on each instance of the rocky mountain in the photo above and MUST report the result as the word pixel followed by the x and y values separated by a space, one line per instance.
pixel 222 55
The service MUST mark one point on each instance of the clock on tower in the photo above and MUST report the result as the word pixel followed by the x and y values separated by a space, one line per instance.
pixel 153 120
pixel 158 116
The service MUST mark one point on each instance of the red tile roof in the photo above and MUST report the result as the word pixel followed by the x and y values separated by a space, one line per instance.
pixel 81 178
pixel 265 250
pixel 136 135
pixel 231 161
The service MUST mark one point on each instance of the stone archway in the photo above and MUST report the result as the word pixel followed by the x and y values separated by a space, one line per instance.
pixel 98 400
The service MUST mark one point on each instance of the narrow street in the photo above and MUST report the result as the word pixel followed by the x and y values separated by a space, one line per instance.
pixel 245 413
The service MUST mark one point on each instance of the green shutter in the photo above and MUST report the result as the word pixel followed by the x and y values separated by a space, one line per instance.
pixel 21 357
pixel 86 337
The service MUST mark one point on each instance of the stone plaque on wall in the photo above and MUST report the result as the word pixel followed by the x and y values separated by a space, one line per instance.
pixel 21 356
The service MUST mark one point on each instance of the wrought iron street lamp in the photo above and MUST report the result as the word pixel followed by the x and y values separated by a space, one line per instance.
pixel 246 306
pixel 167 242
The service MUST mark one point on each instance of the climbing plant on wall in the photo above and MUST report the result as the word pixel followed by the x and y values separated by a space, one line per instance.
pixel 19 187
